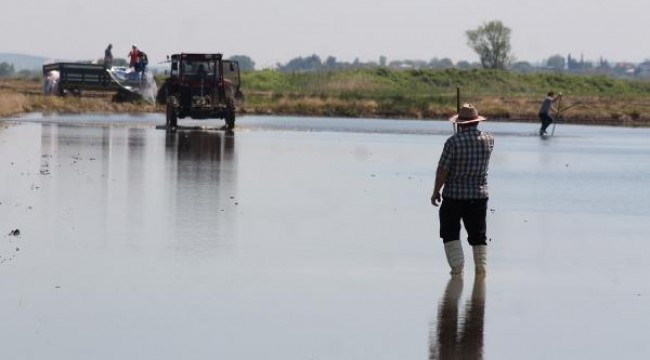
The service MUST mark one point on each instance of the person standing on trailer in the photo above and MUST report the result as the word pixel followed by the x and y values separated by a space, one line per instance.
pixel 138 61
pixel 141 63
pixel 133 56
pixel 463 171
pixel 108 56
pixel 545 110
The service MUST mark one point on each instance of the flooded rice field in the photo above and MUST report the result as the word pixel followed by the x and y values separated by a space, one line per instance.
pixel 303 238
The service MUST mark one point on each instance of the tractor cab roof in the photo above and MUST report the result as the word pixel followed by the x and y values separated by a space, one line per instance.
pixel 196 57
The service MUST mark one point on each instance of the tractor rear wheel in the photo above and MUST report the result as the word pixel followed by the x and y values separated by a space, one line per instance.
pixel 230 119
pixel 171 116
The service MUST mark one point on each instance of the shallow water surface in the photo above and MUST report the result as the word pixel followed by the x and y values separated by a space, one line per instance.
pixel 307 238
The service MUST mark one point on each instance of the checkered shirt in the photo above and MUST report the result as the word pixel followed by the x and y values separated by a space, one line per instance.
pixel 465 157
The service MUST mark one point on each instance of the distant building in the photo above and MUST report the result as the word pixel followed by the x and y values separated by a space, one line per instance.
pixel 626 69
pixel 643 70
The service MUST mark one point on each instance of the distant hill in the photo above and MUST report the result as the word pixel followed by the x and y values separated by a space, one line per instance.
pixel 26 62
pixel 23 62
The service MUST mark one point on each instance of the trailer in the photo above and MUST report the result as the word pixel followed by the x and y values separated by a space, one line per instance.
pixel 75 78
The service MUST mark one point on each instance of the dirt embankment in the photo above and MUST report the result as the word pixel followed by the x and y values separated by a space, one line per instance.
pixel 24 96
pixel 579 110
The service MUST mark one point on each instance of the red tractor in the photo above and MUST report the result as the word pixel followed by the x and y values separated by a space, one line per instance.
pixel 201 86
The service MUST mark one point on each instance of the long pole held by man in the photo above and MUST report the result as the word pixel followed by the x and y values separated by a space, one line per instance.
pixel 462 177
pixel 557 113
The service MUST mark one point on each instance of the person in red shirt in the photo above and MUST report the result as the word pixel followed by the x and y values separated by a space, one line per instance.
pixel 133 56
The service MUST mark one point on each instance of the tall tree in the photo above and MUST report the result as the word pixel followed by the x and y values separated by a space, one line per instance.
pixel 556 62
pixel 383 61
pixel 444 63
pixel 245 62
pixel 491 41
pixel 330 63
pixel 523 67
pixel 6 69
pixel 300 64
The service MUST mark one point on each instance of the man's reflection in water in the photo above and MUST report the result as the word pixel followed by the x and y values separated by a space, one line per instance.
pixel 452 340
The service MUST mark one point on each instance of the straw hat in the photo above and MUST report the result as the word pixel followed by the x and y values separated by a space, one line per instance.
pixel 467 115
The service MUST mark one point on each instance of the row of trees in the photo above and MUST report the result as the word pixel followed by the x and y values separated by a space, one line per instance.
pixel 555 63
pixel 490 41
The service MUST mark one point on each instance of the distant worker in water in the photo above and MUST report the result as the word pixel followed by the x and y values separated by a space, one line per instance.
pixel 463 171
pixel 108 56
pixel 545 110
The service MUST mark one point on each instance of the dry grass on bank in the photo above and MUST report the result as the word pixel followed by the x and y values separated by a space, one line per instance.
pixel 316 106
pixel 24 96
pixel 12 104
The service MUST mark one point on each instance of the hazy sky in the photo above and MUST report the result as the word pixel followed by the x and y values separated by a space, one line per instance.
pixel 277 31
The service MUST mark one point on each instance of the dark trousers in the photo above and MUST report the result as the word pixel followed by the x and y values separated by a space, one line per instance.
pixel 471 212
pixel 546 121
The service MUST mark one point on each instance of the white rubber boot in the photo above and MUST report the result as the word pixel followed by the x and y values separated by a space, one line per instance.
pixel 480 259
pixel 455 257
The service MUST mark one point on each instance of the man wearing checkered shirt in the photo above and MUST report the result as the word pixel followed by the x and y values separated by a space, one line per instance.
pixel 463 170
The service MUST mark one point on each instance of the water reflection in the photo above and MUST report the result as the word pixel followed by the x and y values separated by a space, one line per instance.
pixel 101 178
pixel 451 340
pixel 140 186
pixel 201 145
pixel 202 174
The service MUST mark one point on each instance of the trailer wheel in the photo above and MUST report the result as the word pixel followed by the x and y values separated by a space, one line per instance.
pixel 171 116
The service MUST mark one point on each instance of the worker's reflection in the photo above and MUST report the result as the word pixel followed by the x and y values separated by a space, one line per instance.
pixel 454 339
